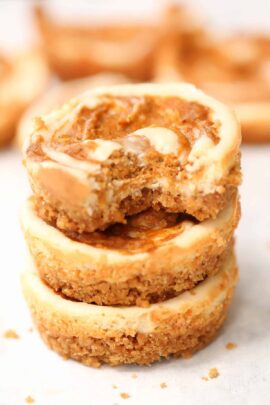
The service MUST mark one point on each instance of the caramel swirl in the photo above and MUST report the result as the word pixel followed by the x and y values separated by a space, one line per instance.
pixel 117 118
pixel 143 232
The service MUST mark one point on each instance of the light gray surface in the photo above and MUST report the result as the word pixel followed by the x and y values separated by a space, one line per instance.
pixel 27 367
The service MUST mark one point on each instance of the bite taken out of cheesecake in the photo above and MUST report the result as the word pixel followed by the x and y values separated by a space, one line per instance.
pixel 124 149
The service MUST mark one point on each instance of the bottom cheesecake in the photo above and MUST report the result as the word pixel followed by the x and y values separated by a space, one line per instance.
pixel 96 334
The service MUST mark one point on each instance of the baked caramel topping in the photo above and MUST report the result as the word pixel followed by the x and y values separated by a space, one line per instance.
pixel 115 117
pixel 143 232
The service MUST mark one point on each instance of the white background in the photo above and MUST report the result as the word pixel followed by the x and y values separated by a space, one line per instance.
pixel 27 367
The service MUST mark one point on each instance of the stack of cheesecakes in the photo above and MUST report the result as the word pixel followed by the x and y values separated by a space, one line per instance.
pixel 130 226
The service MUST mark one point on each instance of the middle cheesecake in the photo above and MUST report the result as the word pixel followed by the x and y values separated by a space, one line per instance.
pixel 151 258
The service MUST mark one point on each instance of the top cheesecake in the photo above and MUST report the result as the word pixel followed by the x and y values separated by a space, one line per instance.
pixel 116 151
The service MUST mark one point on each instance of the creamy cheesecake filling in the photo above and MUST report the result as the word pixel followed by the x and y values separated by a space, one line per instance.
pixel 201 300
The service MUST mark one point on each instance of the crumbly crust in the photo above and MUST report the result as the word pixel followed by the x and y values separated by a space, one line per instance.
pixel 177 332
pixel 141 290
pixel 200 206
pixel 176 340
pixel 151 269
pixel 127 148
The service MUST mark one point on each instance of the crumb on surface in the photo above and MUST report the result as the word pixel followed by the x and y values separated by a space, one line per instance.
pixel 231 346
pixel 204 378
pixel 30 330
pixel 124 395
pixel 29 400
pixel 134 375
pixel 213 372
pixel 11 334
pixel 163 385
pixel 114 386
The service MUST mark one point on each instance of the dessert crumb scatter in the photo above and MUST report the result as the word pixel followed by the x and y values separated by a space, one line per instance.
pixel 163 385
pixel 124 395
pixel 11 334
pixel 213 372
pixel 134 375
pixel 114 386
pixel 29 400
pixel 30 330
pixel 231 345
pixel 204 378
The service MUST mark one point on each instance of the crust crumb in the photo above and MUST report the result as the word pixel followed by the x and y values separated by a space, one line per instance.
pixel 134 375
pixel 114 386
pixel 30 330
pixel 124 395
pixel 231 346
pixel 142 303
pixel 163 385
pixel 204 378
pixel 213 373
pixel 11 334
pixel 29 400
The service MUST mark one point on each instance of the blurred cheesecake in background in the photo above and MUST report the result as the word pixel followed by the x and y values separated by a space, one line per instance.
pixel 78 50
pixel 23 78
pixel 235 70
pixel 170 45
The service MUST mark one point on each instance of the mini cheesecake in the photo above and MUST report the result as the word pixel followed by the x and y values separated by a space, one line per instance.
pixel 153 257
pixel 74 51
pixel 116 151
pixel 95 334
